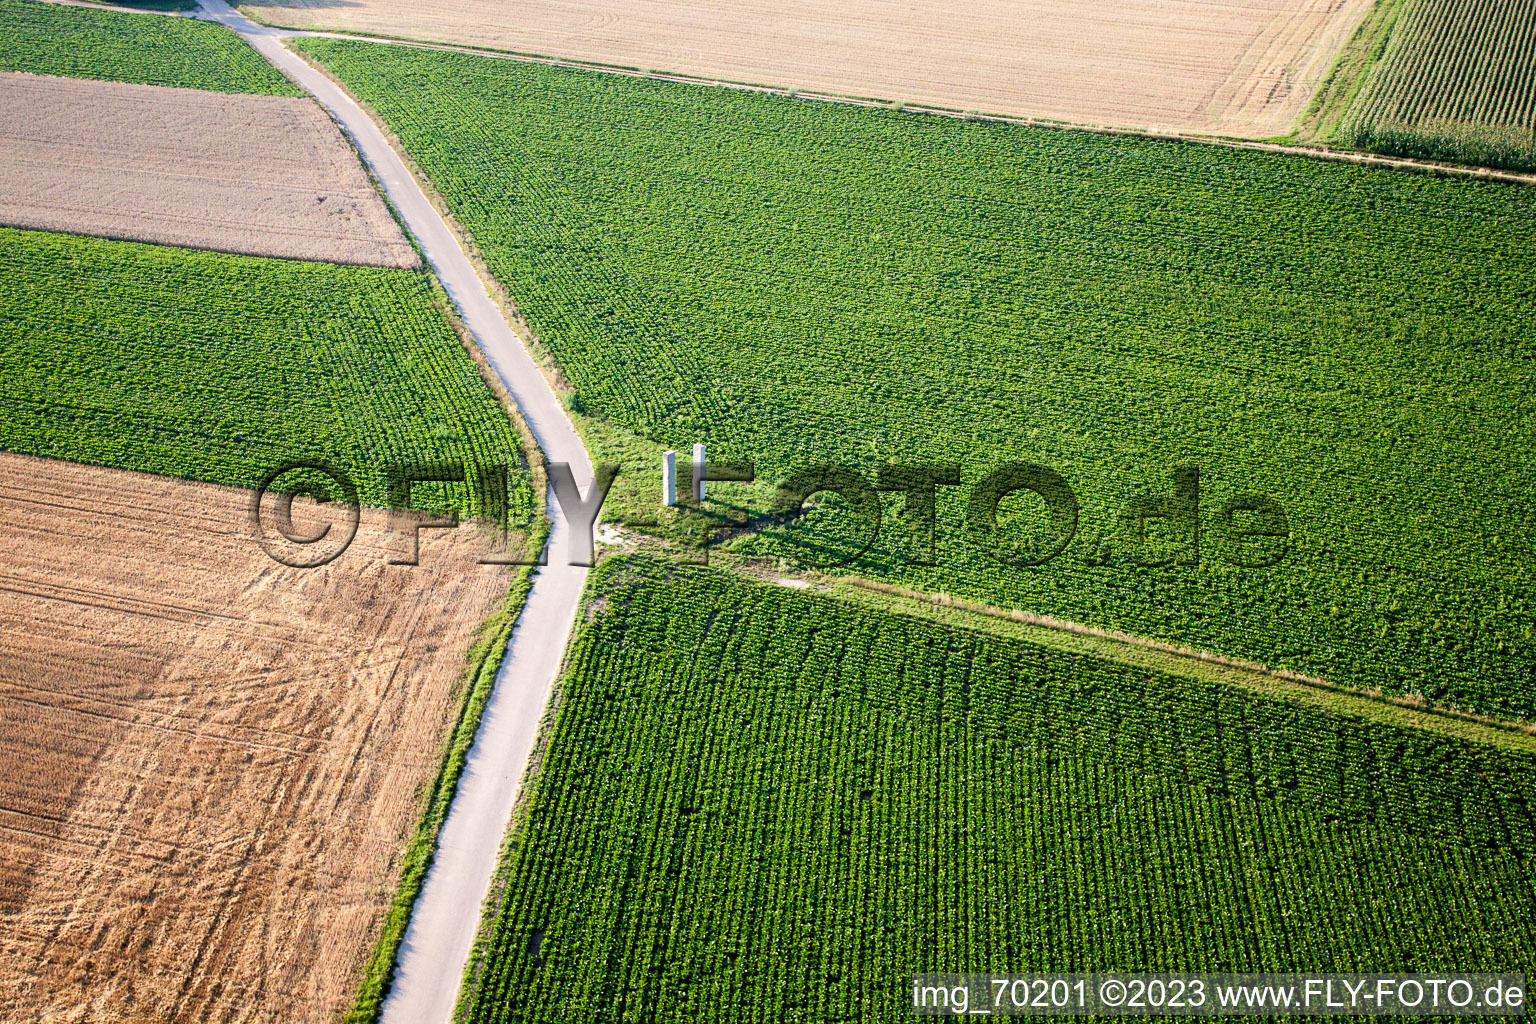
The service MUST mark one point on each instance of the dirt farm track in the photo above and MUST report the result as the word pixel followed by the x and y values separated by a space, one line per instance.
pixel 208 761
pixel 1214 66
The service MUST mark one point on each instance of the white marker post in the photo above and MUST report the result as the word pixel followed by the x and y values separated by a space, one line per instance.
pixel 669 478
pixel 698 472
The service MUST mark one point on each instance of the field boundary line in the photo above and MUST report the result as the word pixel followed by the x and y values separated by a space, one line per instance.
pixel 487 653
pixel 1315 149
pixel 498 292
pixel 1405 711
pixel 1401 710
pixel 1337 91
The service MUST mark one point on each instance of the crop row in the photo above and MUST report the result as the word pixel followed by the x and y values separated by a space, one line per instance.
pixel 223 368
pixel 78 42
pixel 761 805
pixel 798 283
pixel 1456 80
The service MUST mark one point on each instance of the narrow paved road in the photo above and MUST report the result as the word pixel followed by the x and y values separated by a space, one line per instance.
pixel 442 928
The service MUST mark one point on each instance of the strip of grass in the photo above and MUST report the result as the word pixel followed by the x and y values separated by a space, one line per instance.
pixel 799 283
pixel 78 42
pixel 1138 653
pixel 222 368
pixel 1342 85
pixel 758 804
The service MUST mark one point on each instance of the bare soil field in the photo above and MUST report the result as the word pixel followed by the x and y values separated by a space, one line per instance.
pixel 208 762
pixel 1208 66
pixel 262 175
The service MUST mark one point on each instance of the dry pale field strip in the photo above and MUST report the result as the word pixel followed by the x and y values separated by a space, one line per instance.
pixel 208 762
pixel 1238 67
pixel 263 175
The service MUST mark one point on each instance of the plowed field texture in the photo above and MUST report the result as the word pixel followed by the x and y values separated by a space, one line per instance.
pixel 798 283
pixel 759 805
pixel 210 764
pixel 262 175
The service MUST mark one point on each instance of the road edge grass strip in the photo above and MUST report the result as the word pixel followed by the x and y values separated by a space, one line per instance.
pixel 489 650
pixel 484 661
pixel 378 188
pixel 490 907
pixel 529 454
pixel 1168 659
pixel 542 356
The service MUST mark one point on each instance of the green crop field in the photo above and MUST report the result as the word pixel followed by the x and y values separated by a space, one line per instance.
pixel 153 5
pixel 1441 80
pixel 797 283
pixel 223 368
pixel 78 42
pixel 762 805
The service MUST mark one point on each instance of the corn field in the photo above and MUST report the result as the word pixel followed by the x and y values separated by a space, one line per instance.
pixel 1456 80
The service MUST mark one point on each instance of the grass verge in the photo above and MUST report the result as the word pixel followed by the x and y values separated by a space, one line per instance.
pixel 1320 122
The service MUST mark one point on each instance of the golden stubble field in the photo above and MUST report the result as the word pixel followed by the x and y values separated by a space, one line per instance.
pixel 209 763
pixel 261 175
pixel 1234 67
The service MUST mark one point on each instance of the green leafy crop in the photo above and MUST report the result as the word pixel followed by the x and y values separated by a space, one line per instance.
pixel 78 42
pixel 758 804
pixel 1449 81
pixel 798 283
pixel 222 368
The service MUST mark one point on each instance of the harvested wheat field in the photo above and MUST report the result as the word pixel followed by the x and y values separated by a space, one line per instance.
pixel 208 762
pixel 1224 66
pixel 261 175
